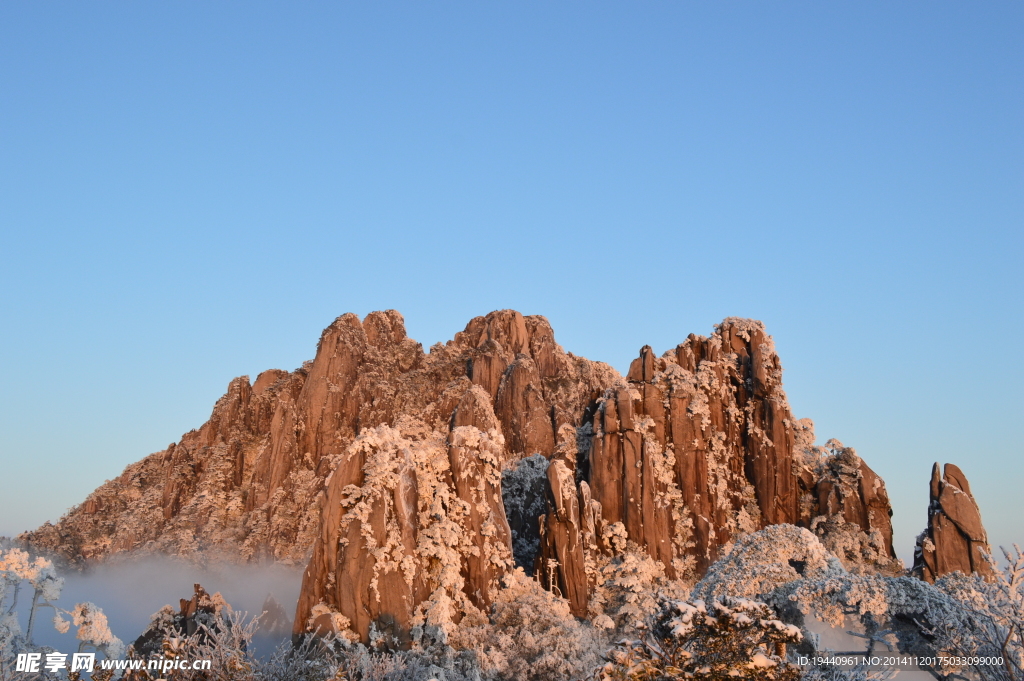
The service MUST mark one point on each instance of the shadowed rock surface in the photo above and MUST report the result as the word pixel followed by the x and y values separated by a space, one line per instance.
pixel 381 467
pixel 955 539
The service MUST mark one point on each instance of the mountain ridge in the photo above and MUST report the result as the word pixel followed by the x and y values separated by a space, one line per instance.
pixel 380 468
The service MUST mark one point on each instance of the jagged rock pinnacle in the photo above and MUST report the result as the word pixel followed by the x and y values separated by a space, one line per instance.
pixel 955 539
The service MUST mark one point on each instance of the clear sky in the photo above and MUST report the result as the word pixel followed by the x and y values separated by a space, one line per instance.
pixel 191 191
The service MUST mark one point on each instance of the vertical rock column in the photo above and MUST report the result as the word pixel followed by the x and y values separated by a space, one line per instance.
pixel 563 541
pixel 476 455
pixel 955 539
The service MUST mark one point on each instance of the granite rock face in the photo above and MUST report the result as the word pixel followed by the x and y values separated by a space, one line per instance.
pixel 848 506
pixel 955 540
pixel 381 468
pixel 698 448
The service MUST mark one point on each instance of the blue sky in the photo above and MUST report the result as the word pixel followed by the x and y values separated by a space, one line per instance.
pixel 192 191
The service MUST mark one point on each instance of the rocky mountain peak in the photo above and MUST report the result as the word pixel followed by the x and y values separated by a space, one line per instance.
pixel 391 464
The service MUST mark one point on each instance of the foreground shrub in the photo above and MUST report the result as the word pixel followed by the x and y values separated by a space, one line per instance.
pixel 734 638
pixel 532 636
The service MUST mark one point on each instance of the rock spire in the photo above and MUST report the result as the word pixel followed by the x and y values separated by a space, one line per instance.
pixel 955 539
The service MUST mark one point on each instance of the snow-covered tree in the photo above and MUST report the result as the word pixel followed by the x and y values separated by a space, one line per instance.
pixel 628 588
pixel 18 568
pixel 523 492
pixel 532 636
pixel 960 615
pixel 730 638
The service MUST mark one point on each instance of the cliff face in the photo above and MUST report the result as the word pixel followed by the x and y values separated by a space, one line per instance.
pixel 955 539
pixel 691 450
pixel 698 448
pixel 389 463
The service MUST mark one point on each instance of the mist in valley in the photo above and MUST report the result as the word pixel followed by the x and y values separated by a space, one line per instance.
pixel 130 591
